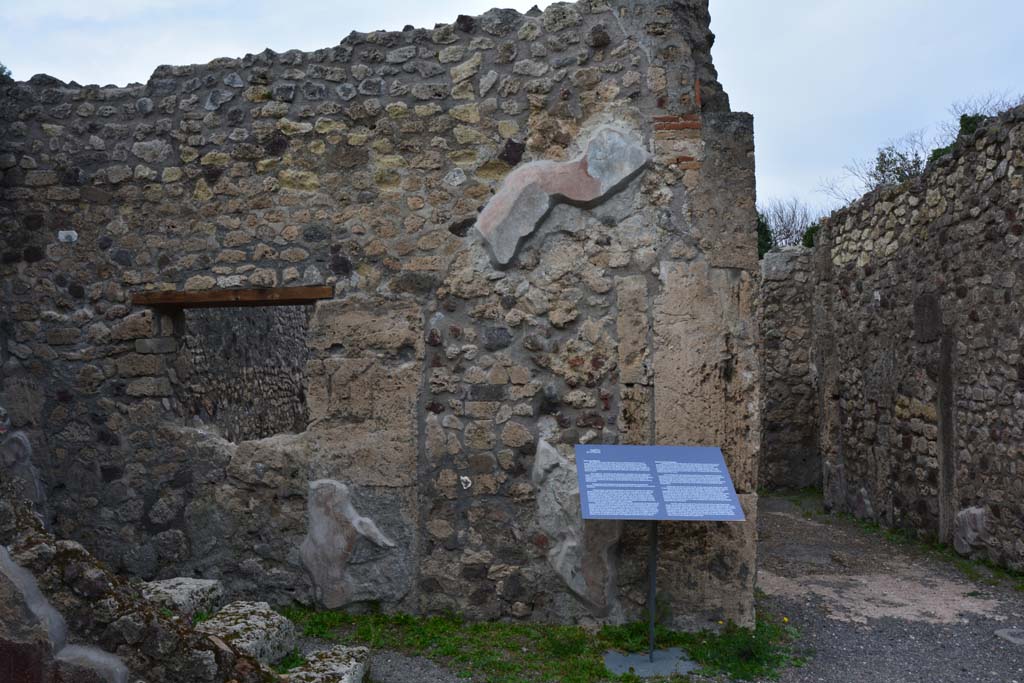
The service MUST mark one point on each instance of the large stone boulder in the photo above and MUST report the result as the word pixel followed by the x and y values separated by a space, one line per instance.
pixel 185 595
pixel 336 665
pixel 252 628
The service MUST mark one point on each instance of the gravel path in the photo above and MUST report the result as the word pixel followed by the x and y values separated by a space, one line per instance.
pixel 873 610
pixel 394 667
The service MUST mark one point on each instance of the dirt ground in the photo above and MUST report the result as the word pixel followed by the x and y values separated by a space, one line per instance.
pixel 869 609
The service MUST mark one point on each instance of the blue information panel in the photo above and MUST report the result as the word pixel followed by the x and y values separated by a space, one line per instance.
pixel 656 482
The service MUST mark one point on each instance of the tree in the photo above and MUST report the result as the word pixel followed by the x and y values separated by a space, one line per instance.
pixel 976 108
pixel 967 115
pixel 897 161
pixel 5 73
pixel 906 157
pixel 765 241
pixel 787 220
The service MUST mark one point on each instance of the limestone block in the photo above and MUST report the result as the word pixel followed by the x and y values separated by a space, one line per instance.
pixel 706 570
pixel 252 628
pixel 360 389
pixel 612 156
pixel 355 325
pixel 185 595
pixel 334 528
pixel 705 367
pixel 340 664
pixel 723 201
pixel 724 573
pixel 632 328
pixel 369 453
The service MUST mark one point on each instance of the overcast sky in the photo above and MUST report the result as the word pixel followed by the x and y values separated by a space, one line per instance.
pixel 827 80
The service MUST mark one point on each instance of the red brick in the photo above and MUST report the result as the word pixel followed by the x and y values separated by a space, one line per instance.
pixel 677 125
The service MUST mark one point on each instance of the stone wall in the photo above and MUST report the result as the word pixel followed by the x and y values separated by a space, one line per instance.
pixel 789 441
pixel 243 369
pixel 444 362
pixel 917 339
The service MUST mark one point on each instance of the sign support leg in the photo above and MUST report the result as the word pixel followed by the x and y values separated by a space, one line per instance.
pixel 652 578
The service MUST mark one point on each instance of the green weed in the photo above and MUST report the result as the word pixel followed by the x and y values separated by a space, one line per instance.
pixel 504 652
pixel 290 661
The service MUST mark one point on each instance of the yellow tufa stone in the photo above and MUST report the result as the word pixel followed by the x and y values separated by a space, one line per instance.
pixel 467 69
pixel 467 113
pixel 289 127
pixel 264 165
pixel 508 128
pixel 427 109
pixel 202 191
pixel 465 135
pixel 463 157
pixel 325 126
pixel 257 93
pixel 391 161
pixel 397 110
pixel 216 159
pixel 298 180
pixel 463 91
pixel 199 282
pixel 494 169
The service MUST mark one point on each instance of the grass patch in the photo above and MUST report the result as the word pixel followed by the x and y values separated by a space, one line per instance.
pixel 740 653
pixel 201 616
pixel 526 653
pixel 290 661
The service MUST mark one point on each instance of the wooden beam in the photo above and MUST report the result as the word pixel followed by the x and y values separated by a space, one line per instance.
pixel 218 298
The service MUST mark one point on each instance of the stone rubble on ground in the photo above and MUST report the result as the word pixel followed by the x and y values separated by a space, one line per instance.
pixel 339 664
pixel 185 595
pixel 252 628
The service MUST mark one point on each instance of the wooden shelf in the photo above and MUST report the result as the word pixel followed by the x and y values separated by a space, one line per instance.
pixel 218 298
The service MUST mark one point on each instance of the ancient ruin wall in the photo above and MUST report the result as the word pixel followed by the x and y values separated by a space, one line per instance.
pixel 918 295
pixel 789 441
pixel 435 370
pixel 244 369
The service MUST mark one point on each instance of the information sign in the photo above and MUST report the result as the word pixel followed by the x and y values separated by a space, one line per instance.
pixel 688 483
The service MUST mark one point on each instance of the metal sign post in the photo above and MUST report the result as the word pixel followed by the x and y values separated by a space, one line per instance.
pixel 671 483
pixel 652 581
